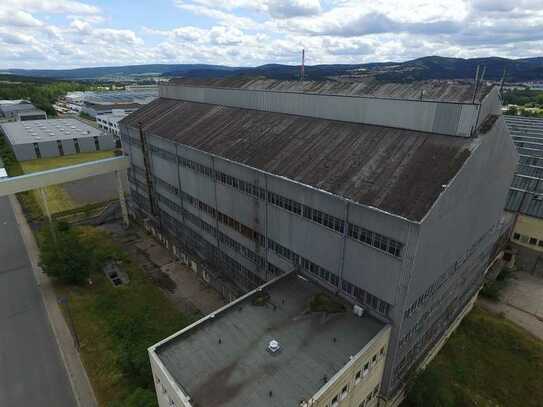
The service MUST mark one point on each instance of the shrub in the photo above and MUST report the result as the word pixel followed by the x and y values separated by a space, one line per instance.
pixel 63 256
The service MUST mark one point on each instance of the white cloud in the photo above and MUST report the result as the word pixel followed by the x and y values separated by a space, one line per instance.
pixel 50 6
pixel 293 8
pixel 64 33
pixel 221 16
pixel 18 18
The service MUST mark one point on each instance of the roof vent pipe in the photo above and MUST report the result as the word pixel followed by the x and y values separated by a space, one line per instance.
pixel 274 346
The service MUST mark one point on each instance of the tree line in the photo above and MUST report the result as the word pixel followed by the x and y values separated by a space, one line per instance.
pixel 41 93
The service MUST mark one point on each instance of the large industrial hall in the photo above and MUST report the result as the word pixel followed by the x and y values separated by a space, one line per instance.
pixel 371 192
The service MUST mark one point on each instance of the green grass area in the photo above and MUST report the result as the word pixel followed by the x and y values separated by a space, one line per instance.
pixel 57 198
pixel 56 162
pixel 489 361
pixel 13 167
pixel 115 326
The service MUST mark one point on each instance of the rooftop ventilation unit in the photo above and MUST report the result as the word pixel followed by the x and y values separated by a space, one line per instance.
pixel 273 346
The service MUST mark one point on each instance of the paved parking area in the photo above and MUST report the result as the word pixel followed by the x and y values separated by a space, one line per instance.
pixel 522 302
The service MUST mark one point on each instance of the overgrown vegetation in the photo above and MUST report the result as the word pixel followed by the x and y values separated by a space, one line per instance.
pixel 116 325
pixel 64 256
pixel 325 303
pixel 523 97
pixel 488 361
pixel 493 288
pixel 42 94
pixel 527 102
pixel 86 116
pixel 527 112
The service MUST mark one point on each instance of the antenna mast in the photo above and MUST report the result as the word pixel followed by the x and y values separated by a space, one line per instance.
pixel 302 67
pixel 502 81
pixel 475 84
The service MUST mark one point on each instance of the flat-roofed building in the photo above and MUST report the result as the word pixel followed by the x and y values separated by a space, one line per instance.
pixel 95 109
pixel 20 110
pixel 525 197
pixel 372 190
pixel 55 137
pixel 290 342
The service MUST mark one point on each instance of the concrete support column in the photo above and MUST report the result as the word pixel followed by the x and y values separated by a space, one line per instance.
pixel 43 194
pixel 122 198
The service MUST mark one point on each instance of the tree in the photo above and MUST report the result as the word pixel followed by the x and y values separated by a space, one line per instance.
pixel 63 256
pixel 138 398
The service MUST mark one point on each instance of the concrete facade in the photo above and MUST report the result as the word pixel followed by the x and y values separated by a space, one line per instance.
pixel 110 122
pixel 241 225
pixel 528 232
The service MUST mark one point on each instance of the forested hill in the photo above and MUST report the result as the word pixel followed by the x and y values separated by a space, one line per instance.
pixel 432 67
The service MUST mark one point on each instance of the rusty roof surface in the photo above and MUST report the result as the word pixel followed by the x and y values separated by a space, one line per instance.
pixel 398 171
pixel 223 361
pixel 436 90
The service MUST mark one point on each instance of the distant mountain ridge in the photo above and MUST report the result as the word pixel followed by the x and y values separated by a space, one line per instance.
pixel 431 67
pixel 110 71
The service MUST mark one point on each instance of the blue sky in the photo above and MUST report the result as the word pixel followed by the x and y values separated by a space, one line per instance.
pixel 75 33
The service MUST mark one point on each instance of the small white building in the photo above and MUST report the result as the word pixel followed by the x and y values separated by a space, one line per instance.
pixel 110 122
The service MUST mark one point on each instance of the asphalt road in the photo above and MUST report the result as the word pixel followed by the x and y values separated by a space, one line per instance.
pixel 31 369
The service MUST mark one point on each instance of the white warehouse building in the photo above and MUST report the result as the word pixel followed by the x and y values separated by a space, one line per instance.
pixel 54 137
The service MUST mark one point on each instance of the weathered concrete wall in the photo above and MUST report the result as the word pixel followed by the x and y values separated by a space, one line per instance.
pixel 438 117
pixel 456 239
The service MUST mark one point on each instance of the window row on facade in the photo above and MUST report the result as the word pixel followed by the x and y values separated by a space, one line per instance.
pixel 193 239
pixel 237 271
pixel 533 241
pixel 298 262
pixel 365 297
pixel 259 239
pixel 356 232
pixel 359 377
pixel 217 234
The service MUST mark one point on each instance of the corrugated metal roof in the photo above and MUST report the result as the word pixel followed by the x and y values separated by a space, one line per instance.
pixel 436 90
pixel 527 188
pixel 399 171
